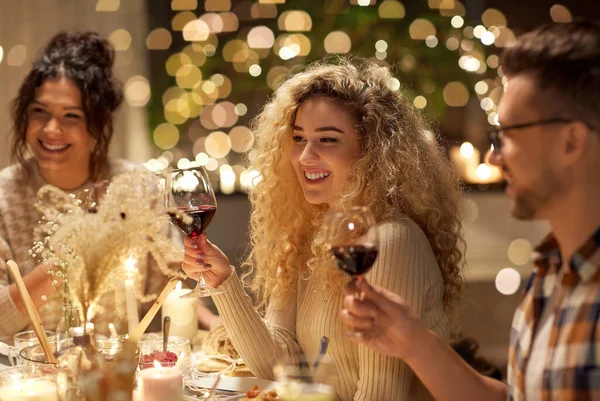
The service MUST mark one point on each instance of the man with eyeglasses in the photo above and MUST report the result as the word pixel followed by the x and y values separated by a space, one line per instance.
pixel 548 146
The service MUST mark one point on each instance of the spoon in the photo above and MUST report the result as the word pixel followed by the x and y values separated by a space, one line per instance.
pixel 214 386
pixel 166 328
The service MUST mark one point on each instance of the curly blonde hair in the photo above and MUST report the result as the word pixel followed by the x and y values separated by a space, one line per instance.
pixel 401 171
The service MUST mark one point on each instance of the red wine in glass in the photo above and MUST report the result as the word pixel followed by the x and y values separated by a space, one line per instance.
pixel 191 204
pixel 352 239
pixel 200 216
pixel 355 260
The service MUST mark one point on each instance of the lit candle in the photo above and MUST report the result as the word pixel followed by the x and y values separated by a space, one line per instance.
pixel 158 384
pixel 182 311
pixel 131 303
pixel 465 159
pixel 113 331
pixel 29 390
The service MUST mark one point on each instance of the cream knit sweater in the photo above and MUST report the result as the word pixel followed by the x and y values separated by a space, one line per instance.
pixel 18 218
pixel 405 265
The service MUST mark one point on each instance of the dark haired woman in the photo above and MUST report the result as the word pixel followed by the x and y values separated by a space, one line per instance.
pixel 63 124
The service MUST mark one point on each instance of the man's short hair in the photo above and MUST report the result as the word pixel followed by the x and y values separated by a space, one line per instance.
pixel 564 59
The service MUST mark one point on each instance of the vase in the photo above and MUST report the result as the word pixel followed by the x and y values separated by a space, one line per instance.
pixel 70 318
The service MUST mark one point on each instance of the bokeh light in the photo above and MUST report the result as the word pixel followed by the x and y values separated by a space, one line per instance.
pixel 519 251
pixel 108 5
pixel 560 13
pixel 493 17
pixel 159 39
pixel 391 9
pixel 187 76
pixel 337 42
pixel 481 87
pixel 431 41
pixel 16 56
pixel 457 21
pixel 294 21
pixel 241 139
pixel 260 10
pixel 196 31
pixel 467 149
pixel 456 94
pixel 420 102
pixel 176 61
pixel 508 281
pixel 177 5
pixel 217 5
pixel 166 136
pixel 241 109
pixel 261 37
pixel 218 144
pixel 120 39
pixel 137 91
pixel 420 29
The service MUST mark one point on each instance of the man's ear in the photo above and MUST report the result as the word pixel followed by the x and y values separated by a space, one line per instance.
pixel 575 140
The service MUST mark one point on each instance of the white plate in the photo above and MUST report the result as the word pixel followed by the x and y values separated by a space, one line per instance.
pixel 228 383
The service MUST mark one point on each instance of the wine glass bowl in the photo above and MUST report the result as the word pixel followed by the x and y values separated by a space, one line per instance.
pixel 351 237
pixel 191 204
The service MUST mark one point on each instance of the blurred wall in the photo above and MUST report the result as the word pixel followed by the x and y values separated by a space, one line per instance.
pixel 26 25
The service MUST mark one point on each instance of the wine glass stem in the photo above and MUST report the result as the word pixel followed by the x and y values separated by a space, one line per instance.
pixel 201 282
pixel 358 292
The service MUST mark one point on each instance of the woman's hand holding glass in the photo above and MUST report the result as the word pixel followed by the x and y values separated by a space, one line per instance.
pixel 191 204
pixel 202 257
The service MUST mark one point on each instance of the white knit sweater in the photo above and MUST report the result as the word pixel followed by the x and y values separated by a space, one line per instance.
pixel 405 265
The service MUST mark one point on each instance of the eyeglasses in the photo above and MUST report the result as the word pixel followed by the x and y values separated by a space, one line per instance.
pixel 496 139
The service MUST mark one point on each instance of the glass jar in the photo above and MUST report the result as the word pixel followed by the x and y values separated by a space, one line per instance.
pixel 177 348
pixel 81 367
pixel 28 383
pixel 71 317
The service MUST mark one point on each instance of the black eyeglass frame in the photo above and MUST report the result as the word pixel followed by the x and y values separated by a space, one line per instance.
pixel 494 133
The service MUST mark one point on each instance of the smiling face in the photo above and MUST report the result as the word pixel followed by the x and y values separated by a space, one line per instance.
pixel 57 133
pixel 528 156
pixel 325 144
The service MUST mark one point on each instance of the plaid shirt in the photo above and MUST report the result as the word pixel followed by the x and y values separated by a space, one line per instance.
pixel 572 362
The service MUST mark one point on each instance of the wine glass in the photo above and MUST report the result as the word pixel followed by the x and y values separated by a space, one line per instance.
pixel 300 379
pixel 191 204
pixel 352 238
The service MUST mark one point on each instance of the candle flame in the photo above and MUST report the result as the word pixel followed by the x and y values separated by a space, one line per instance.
pixel 113 331
pixel 179 285
pixel 157 365
pixel 130 266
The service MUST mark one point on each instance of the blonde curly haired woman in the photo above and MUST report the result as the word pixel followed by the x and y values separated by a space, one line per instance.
pixel 333 136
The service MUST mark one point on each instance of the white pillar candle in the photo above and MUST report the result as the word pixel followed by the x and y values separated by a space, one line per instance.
pixel 182 311
pixel 133 318
pixel 131 304
pixel 29 390
pixel 159 384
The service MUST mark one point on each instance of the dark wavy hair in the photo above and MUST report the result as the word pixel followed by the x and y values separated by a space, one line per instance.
pixel 87 59
pixel 564 60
